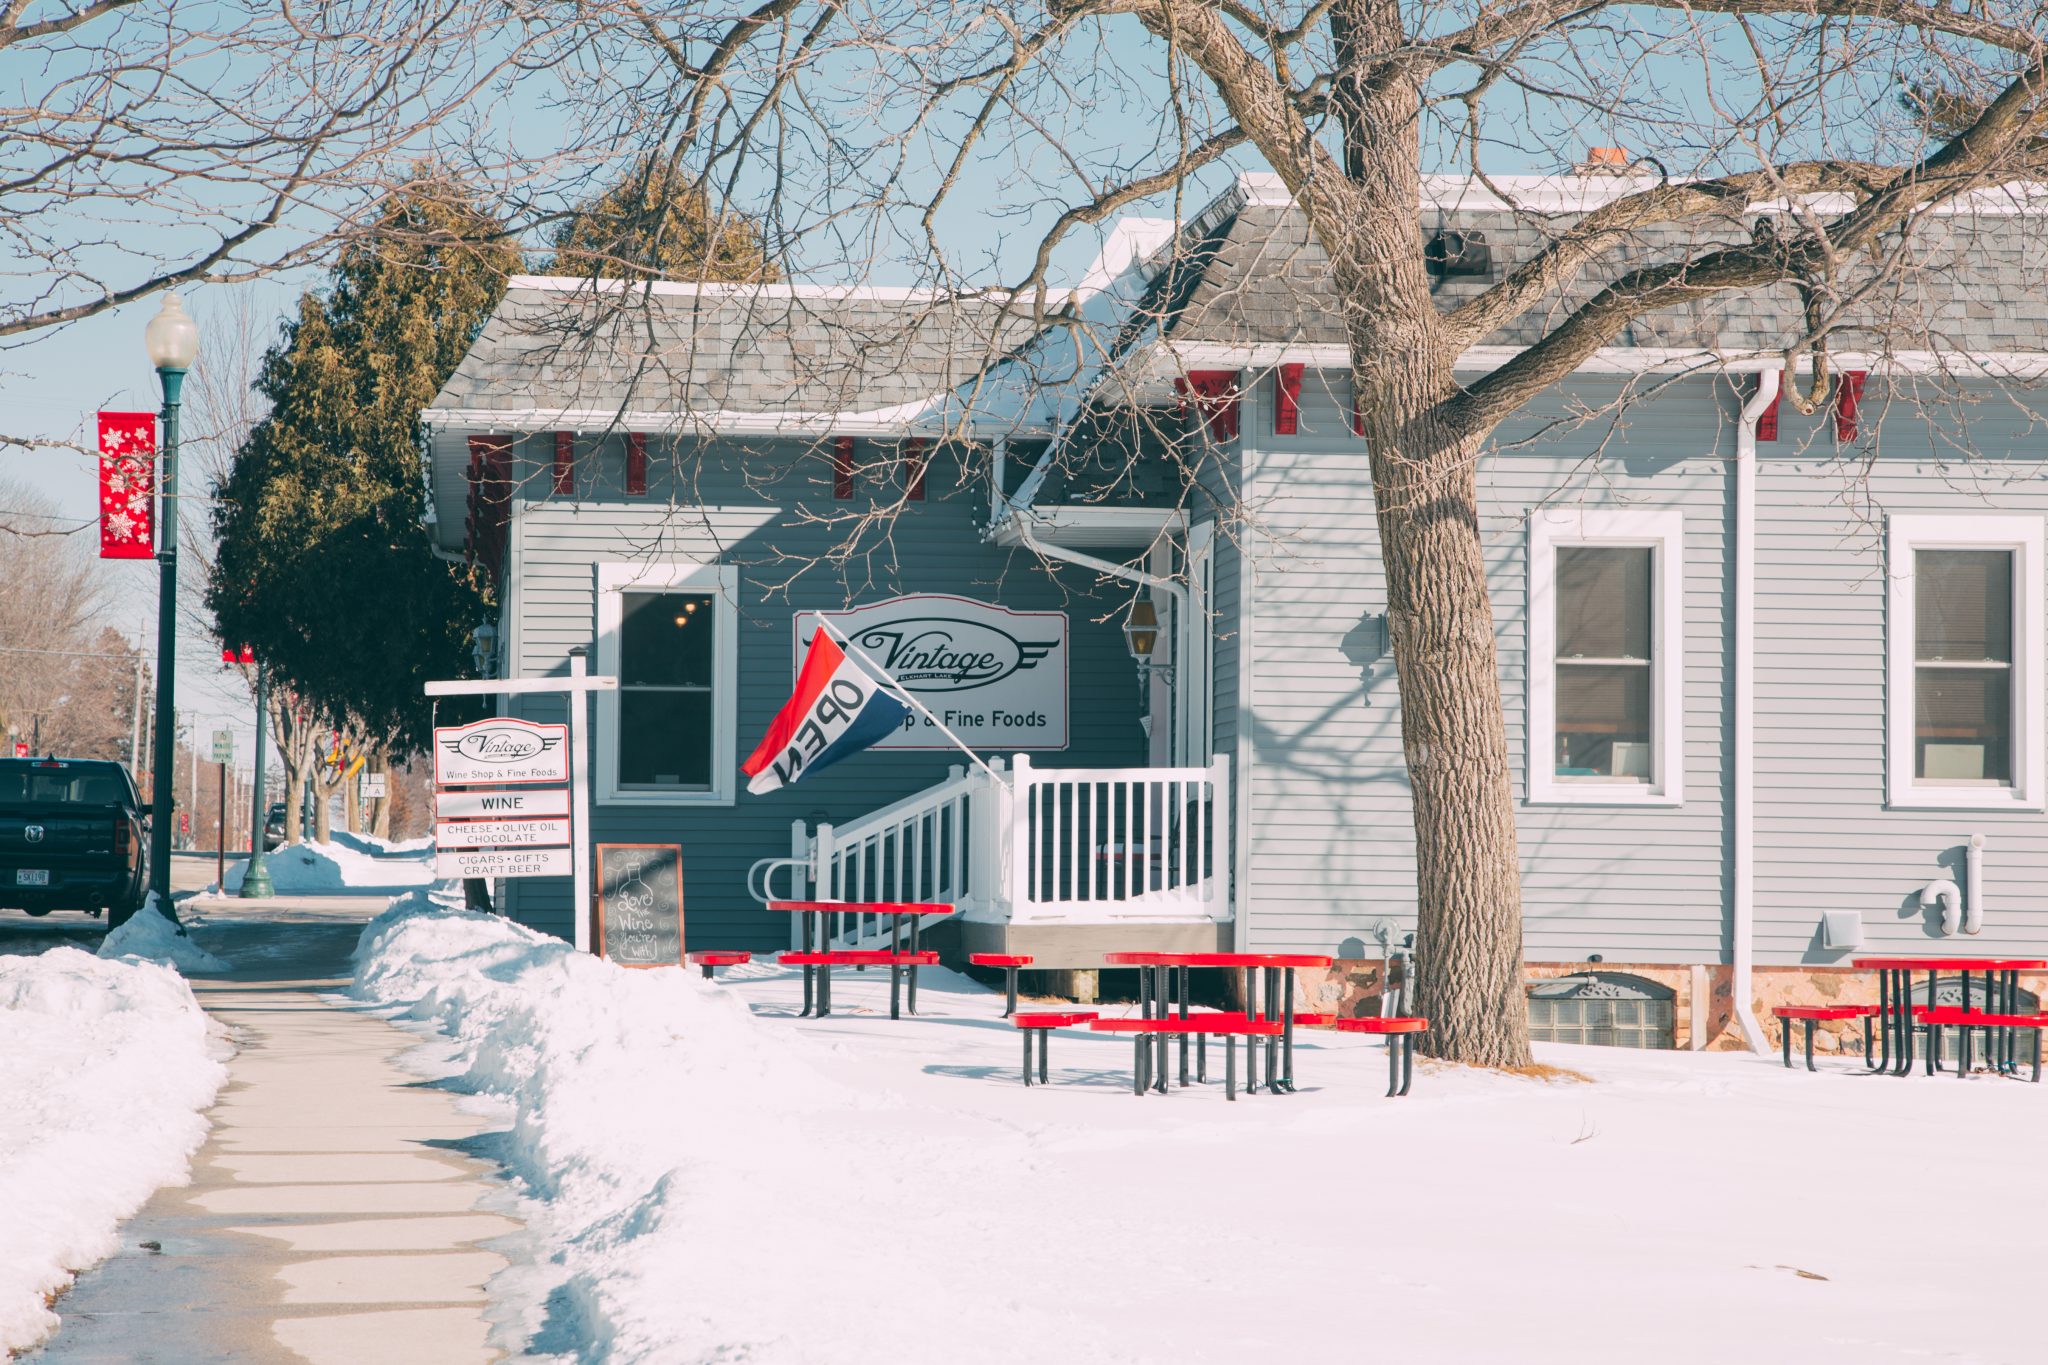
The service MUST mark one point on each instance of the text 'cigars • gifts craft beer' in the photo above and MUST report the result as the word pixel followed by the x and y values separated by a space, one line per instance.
pixel 997 678
pixel 500 750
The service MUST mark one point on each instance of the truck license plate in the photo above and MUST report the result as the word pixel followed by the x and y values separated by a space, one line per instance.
pixel 32 876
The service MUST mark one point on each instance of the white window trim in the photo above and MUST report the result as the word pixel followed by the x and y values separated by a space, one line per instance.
pixel 614 578
pixel 1663 532
pixel 2022 535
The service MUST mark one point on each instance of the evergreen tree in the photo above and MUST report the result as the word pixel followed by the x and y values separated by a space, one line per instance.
pixel 324 566
pixel 654 224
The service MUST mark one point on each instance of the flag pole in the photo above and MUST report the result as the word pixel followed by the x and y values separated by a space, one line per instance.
pixel 839 638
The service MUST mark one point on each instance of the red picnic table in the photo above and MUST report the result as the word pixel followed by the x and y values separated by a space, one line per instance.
pixel 1156 975
pixel 1895 1007
pixel 821 959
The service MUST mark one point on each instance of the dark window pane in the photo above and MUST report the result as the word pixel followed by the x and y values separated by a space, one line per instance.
pixel 1603 721
pixel 1603 602
pixel 1964 605
pixel 664 739
pixel 666 639
pixel 1962 724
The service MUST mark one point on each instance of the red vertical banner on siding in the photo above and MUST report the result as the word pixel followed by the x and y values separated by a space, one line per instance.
pixel 1215 395
pixel 127 485
pixel 913 469
pixel 1287 400
pixel 636 462
pixel 1767 424
pixel 1848 400
pixel 842 467
pixel 565 462
pixel 490 503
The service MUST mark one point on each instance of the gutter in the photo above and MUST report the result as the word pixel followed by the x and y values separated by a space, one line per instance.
pixel 1178 592
pixel 1742 931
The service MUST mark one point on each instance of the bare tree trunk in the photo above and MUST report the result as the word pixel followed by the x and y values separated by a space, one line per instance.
pixel 380 809
pixel 323 812
pixel 294 804
pixel 1468 945
pixel 352 804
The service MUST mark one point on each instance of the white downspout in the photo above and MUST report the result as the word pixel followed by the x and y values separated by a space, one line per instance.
pixel 1743 930
pixel 1177 591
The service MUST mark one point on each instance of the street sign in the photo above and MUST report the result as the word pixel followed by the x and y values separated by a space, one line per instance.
pixel 371 786
pixel 503 805
pixel 501 833
pixel 505 862
pixel 223 746
pixel 502 749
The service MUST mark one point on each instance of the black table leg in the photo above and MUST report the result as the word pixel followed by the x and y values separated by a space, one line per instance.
pixel 1044 1047
pixel 1230 1067
pixel 1009 991
pixel 1785 1042
pixel 1287 1031
pixel 1407 1061
pixel 1182 994
pixel 1274 1083
pixel 1809 1045
pixel 1140 1055
pixel 1882 1059
pixel 916 946
pixel 1027 1056
pixel 1905 1007
pixel 1251 1042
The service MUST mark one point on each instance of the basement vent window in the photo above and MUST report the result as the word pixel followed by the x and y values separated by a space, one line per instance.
pixel 1605 1009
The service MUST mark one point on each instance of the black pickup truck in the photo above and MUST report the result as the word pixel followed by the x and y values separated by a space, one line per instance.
pixel 71 837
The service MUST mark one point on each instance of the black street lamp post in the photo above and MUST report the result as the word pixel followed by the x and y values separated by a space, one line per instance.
pixel 172 339
pixel 256 882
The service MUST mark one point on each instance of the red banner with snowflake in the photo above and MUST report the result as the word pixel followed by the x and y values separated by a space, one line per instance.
pixel 127 485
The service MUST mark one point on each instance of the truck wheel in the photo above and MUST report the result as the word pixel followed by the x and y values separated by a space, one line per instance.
pixel 35 911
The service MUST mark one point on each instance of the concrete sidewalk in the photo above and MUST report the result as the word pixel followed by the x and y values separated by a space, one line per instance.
pixel 333 1214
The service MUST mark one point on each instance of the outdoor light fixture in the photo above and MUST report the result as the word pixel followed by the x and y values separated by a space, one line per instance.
pixel 483 647
pixel 172 341
pixel 1141 629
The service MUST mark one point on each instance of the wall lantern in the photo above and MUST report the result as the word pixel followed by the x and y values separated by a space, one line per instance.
pixel 484 648
pixel 1141 629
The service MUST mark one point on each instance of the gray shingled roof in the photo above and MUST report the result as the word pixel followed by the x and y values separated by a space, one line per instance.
pixel 1247 273
pixel 552 346
pixel 1963 282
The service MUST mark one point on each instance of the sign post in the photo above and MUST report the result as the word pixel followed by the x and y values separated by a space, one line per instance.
pixel 223 754
pixel 502 833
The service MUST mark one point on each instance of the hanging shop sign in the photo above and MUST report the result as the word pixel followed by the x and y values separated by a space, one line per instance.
pixel 503 749
pixel 503 862
pixel 508 805
pixel 996 677
pixel 501 833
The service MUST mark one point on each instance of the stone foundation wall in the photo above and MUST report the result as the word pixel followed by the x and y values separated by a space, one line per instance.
pixel 1352 988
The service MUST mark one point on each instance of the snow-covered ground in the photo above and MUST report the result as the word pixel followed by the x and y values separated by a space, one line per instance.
pixel 149 937
pixel 105 1066
pixel 351 863
pixel 720 1181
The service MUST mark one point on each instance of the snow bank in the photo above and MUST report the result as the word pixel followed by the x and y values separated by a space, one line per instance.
pixel 104 1069
pixel 351 863
pixel 149 937
pixel 649 1104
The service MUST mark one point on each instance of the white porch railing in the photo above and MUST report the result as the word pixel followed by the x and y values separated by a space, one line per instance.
pixel 1028 846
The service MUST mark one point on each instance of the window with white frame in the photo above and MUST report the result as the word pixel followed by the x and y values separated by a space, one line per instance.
pixel 669 633
pixel 1606 632
pixel 1964 679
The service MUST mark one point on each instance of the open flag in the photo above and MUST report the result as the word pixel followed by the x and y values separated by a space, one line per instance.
pixel 837 710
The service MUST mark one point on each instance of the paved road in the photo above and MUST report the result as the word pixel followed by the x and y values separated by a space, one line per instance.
pixel 335 1213
pixel 23 933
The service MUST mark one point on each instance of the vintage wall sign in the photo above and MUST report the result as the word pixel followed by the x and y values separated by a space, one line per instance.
pixel 996 677
pixel 504 749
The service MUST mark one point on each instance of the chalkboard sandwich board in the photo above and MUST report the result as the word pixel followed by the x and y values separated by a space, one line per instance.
pixel 640 904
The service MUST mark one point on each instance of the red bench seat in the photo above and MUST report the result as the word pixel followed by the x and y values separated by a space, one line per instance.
pixel 1820 1014
pixel 1009 962
pixel 1042 1023
pixel 708 958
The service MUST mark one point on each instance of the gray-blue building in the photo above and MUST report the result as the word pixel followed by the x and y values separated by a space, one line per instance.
pixel 1780 674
